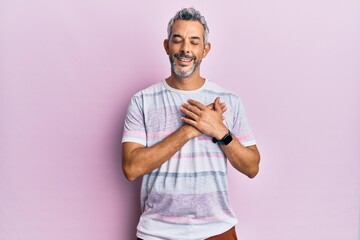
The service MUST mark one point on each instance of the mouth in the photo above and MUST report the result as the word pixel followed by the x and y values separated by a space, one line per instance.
pixel 184 59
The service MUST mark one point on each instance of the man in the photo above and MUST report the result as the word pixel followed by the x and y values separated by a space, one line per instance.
pixel 179 136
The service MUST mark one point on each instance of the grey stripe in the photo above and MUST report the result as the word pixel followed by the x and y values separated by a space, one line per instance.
pixel 192 174
pixel 185 183
pixel 220 93
pixel 189 206
pixel 166 91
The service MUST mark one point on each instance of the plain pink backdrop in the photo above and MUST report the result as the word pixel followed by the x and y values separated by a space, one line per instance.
pixel 69 68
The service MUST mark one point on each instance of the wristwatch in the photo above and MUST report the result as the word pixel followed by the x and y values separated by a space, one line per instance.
pixel 225 140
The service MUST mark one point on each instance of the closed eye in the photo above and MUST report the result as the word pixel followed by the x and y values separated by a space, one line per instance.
pixel 195 40
pixel 177 38
pixel 176 41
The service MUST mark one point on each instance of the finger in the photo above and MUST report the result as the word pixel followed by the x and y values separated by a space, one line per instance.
pixel 223 107
pixel 210 106
pixel 191 108
pixel 188 121
pixel 188 113
pixel 196 104
pixel 217 106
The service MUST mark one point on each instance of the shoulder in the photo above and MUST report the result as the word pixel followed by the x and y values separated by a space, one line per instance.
pixel 151 90
pixel 216 89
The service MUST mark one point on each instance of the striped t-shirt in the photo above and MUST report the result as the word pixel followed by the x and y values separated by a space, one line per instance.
pixel 187 196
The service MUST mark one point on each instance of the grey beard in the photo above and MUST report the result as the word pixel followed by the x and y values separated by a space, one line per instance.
pixel 180 73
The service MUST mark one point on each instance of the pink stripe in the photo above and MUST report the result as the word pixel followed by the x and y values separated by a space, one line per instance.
pixel 205 138
pixel 200 155
pixel 187 220
pixel 245 137
pixel 159 134
pixel 134 134
pixel 167 133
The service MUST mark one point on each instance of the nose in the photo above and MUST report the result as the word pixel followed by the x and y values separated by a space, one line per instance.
pixel 185 47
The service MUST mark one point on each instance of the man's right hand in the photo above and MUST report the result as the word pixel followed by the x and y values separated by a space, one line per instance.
pixel 194 132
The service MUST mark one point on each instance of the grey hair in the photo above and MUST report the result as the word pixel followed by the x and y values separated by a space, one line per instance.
pixel 189 14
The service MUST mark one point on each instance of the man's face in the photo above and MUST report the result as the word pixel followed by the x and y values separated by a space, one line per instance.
pixel 186 47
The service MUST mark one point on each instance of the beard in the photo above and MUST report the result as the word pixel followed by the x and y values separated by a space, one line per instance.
pixel 177 69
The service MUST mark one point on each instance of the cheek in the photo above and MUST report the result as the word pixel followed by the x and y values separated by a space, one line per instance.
pixel 200 55
pixel 174 48
pixel 201 52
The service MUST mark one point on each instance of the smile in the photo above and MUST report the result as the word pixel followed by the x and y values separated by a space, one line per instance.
pixel 184 58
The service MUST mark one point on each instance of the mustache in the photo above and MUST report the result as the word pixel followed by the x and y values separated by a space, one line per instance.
pixel 183 55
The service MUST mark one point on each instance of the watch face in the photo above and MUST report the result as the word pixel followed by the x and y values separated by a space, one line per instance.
pixel 227 139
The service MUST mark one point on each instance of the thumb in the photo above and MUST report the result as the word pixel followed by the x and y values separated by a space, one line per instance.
pixel 217 105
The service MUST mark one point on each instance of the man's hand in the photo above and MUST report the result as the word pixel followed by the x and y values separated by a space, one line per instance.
pixel 206 119
pixel 193 131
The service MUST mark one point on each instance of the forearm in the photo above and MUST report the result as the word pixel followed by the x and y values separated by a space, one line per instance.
pixel 245 159
pixel 141 160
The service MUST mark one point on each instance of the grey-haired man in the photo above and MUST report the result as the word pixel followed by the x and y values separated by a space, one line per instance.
pixel 179 136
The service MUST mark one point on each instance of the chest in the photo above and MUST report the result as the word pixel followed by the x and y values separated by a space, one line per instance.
pixel 162 114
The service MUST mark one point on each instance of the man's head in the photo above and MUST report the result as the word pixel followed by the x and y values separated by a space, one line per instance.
pixel 187 43
pixel 189 14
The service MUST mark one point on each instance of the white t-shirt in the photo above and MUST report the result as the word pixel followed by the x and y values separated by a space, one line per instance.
pixel 186 198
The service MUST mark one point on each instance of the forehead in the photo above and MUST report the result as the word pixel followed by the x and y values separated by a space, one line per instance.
pixel 188 28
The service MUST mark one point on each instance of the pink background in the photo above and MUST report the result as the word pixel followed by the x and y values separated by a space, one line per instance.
pixel 69 68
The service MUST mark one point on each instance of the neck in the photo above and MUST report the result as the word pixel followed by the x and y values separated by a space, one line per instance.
pixel 193 82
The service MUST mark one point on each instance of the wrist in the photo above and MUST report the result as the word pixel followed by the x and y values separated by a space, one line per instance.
pixel 189 131
pixel 221 133
pixel 224 140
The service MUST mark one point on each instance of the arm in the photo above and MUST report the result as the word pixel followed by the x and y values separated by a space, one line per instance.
pixel 244 159
pixel 139 160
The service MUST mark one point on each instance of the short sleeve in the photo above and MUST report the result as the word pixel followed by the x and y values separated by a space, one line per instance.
pixel 241 128
pixel 134 127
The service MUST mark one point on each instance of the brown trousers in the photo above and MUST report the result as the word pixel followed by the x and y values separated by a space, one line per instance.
pixel 228 235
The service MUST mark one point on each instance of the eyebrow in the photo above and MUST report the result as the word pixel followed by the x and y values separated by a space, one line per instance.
pixel 179 36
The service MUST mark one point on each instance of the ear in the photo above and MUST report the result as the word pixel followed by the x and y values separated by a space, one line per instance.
pixel 207 48
pixel 166 46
